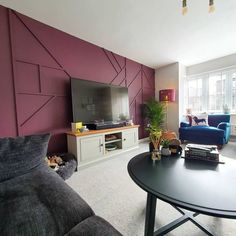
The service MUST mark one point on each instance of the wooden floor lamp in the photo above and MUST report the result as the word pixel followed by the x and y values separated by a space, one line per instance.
pixel 166 96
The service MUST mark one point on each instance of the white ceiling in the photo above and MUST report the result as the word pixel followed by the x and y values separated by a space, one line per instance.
pixel 152 32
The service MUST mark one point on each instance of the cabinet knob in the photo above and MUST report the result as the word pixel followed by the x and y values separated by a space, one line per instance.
pixel 101 144
pixel 124 139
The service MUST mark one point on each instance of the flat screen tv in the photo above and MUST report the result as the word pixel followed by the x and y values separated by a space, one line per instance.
pixel 94 102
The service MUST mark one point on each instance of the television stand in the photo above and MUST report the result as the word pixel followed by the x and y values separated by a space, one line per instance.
pixel 97 145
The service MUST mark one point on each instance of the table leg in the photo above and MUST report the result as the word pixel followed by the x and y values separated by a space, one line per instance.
pixel 150 215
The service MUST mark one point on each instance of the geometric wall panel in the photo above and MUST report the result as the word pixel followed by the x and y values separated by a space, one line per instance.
pixel 56 118
pixel 54 81
pixel 29 106
pixel 119 78
pixel 8 125
pixel 42 62
pixel 134 87
pixel 132 70
pixel 27 77
pixel 27 47
pixel 148 81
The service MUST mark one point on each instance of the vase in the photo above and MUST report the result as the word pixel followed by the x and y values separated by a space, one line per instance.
pixel 151 146
pixel 155 155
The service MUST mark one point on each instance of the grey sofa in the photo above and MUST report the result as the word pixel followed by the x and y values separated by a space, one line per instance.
pixel 34 200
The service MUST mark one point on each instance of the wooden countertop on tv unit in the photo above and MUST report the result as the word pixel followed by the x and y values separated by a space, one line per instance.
pixel 90 132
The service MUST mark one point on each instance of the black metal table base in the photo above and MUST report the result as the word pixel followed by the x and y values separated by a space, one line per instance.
pixel 150 219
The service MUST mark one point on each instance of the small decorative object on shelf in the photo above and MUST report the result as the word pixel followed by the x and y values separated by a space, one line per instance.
pixel 226 109
pixel 111 147
pixel 110 137
pixel 129 122
pixel 202 152
pixel 83 129
pixel 75 127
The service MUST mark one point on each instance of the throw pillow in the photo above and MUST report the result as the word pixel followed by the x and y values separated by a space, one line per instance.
pixel 200 120
pixel 189 118
pixel 21 154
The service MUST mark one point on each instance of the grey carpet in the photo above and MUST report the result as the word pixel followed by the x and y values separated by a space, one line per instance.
pixel 112 194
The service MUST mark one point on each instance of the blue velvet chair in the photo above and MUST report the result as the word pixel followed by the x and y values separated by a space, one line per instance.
pixel 217 133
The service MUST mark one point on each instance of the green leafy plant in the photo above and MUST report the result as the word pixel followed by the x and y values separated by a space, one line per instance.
pixel 155 114
pixel 165 143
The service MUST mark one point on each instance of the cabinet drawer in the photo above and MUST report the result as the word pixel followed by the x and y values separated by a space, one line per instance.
pixel 91 148
pixel 129 138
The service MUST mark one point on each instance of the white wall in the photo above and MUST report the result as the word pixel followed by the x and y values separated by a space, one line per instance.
pixel 182 76
pixel 170 77
pixel 212 65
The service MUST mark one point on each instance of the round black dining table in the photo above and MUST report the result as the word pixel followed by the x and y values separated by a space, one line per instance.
pixel 198 186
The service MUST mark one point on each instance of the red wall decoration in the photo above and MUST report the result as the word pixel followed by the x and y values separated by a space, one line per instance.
pixel 36 63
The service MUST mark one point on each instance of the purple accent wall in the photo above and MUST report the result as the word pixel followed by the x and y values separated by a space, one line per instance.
pixel 36 63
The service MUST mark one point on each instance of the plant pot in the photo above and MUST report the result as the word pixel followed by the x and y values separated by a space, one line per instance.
pixel 165 151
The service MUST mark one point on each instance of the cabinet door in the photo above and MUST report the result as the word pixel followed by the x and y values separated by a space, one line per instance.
pixel 91 148
pixel 129 138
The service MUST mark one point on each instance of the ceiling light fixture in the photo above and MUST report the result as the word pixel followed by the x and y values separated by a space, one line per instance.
pixel 185 7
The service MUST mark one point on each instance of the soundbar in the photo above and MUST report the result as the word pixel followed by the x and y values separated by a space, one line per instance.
pixel 104 125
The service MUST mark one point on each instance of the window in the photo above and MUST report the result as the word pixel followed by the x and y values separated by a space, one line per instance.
pixel 233 91
pixel 211 91
pixel 195 94
pixel 216 84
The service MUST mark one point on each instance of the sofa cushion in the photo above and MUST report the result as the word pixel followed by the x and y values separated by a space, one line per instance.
pixel 189 119
pixel 205 130
pixel 40 203
pixel 93 226
pixel 201 119
pixel 21 154
pixel 215 119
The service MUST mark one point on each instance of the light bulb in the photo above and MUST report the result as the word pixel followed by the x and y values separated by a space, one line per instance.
pixel 184 7
pixel 211 9
pixel 184 10
pixel 211 6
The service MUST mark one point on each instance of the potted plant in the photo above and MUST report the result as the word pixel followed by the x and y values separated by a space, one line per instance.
pixel 154 135
pixel 165 151
pixel 155 114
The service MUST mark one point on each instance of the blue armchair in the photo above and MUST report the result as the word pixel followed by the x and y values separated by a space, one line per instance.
pixel 217 133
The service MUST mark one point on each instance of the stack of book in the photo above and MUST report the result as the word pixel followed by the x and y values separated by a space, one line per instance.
pixel 202 152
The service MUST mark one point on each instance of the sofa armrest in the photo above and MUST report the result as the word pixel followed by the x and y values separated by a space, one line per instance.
pixel 227 129
pixel 184 124
pixel 223 125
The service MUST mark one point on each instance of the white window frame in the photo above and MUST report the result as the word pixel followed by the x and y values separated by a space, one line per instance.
pixel 205 86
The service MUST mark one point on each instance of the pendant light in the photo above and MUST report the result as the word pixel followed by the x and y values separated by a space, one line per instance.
pixel 185 7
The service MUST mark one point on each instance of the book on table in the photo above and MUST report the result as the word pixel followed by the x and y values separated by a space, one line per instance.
pixel 202 152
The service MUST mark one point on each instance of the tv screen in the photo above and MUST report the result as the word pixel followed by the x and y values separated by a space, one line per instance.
pixel 94 102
